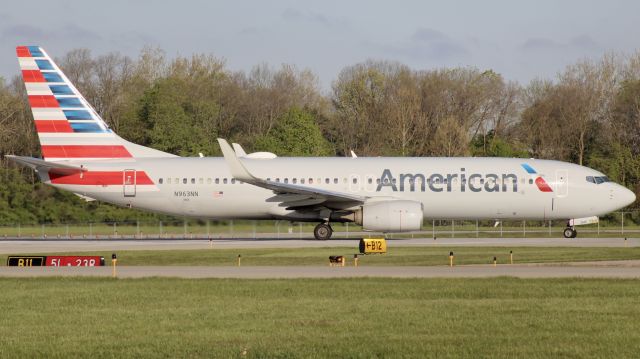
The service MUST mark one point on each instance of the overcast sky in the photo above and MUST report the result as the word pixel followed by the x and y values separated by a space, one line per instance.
pixel 521 40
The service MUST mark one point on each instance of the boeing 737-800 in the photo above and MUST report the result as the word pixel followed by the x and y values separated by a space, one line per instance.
pixel 81 154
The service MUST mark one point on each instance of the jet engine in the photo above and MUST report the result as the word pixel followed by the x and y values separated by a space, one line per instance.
pixel 390 216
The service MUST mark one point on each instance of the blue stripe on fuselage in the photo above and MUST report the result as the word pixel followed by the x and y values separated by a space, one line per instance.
pixel 528 168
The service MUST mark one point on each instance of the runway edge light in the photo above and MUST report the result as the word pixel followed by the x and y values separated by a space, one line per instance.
pixel 114 261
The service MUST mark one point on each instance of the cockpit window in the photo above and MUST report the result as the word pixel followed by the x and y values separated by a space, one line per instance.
pixel 597 179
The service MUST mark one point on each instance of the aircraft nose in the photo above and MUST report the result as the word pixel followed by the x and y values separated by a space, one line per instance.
pixel 625 196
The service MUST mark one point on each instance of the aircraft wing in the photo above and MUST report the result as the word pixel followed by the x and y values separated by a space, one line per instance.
pixel 291 195
pixel 46 166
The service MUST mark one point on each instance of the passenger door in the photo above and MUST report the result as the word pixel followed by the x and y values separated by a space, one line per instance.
pixel 129 183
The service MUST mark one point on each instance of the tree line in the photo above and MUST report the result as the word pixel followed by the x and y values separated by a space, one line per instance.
pixel 588 114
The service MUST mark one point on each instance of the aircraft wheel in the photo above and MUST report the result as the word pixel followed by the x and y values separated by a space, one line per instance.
pixel 570 233
pixel 322 232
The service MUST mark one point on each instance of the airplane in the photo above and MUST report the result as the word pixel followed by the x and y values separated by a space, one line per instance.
pixel 81 154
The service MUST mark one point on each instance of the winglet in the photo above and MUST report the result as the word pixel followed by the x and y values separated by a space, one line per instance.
pixel 238 171
pixel 239 150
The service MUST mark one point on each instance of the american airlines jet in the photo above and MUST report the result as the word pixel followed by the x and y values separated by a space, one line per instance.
pixel 384 194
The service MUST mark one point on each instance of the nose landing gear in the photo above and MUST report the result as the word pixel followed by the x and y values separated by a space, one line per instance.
pixel 570 232
pixel 323 231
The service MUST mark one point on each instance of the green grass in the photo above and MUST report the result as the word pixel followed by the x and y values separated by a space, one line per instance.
pixel 397 256
pixel 317 318
pixel 466 229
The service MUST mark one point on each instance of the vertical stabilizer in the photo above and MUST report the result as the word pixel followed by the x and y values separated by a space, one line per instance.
pixel 68 127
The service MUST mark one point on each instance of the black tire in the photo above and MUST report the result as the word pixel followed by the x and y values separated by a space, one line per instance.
pixel 569 233
pixel 322 232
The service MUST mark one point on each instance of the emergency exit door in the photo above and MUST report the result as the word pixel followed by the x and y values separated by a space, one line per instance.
pixel 129 183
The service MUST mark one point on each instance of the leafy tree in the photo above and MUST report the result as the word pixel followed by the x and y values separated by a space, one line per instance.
pixel 295 133
pixel 491 146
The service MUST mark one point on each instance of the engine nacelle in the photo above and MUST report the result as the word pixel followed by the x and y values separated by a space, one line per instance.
pixel 390 216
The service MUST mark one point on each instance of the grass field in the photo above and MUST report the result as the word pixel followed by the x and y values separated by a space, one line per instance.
pixel 340 318
pixel 249 229
pixel 421 256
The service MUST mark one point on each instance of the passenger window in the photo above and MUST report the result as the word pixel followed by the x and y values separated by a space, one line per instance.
pixel 530 180
pixel 169 180
pixel 310 180
pixel 184 180
pixel 224 181
pixel 286 180
pixel 335 181
pixel 193 181
pixel 377 180
pixel 355 180
pixel 208 180
pixel 176 181
pixel 200 180
pixel 160 181
pixel 599 180
pixel 318 180
pixel 326 180
pixel 277 179
pixel 370 180
pixel 233 181
pixel 590 179
pixel 217 180
pixel 302 180
pixel 294 180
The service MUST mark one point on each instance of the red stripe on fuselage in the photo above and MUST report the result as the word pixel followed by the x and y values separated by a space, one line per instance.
pixel 23 51
pixel 98 178
pixel 32 76
pixel 43 101
pixel 542 185
pixel 84 151
pixel 53 126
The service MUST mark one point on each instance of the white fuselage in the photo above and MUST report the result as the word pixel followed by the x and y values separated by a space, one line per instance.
pixel 448 188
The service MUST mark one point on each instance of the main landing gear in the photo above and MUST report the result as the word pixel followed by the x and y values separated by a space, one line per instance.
pixel 323 231
pixel 570 232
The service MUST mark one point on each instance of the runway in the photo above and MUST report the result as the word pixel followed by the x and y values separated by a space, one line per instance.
pixel 614 269
pixel 72 245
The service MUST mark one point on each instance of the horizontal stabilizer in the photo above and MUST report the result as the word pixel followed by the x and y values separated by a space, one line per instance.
pixel 45 166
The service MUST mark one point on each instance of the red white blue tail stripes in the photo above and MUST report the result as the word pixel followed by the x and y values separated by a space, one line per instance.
pixel 68 127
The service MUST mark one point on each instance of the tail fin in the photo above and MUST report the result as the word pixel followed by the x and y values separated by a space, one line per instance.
pixel 68 127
